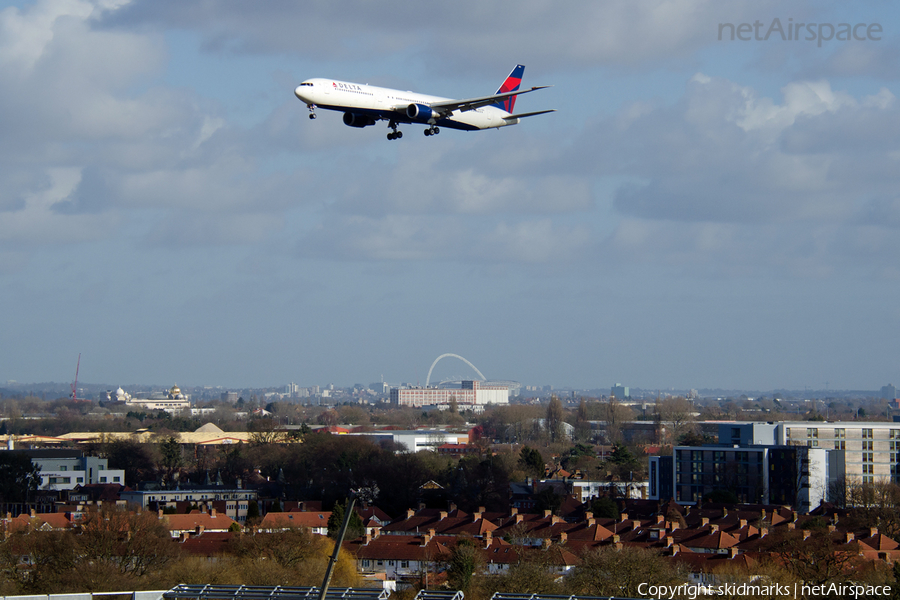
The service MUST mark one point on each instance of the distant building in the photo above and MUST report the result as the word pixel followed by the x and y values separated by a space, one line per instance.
pixel 620 391
pixel 172 401
pixel 236 501
pixel 471 394
pixel 230 397
pixel 888 392
pixel 66 469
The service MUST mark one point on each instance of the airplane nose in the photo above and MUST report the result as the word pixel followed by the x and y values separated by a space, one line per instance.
pixel 298 91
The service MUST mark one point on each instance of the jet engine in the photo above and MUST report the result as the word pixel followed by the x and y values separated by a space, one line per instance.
pixel 419 113
pixel 357 120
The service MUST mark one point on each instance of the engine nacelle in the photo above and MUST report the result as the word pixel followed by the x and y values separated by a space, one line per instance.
pixel 357 120
pixel 420 113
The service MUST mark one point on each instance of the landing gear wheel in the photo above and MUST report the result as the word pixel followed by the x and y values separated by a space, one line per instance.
pixel 312 115
pixel 435 130
pixel 427 132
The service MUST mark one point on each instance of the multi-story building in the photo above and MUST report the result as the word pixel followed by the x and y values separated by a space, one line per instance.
pixel 470 395
pixel 870 450
pixel 794 475
pixel 237 501
pixel 66 469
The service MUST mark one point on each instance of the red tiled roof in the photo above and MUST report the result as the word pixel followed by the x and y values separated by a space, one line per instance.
pixel 278 520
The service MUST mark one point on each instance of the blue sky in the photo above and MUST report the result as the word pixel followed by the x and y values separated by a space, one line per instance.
pixel 699 213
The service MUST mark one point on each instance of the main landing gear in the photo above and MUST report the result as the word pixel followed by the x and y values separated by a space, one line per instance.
pixel 432 130
pixel 312 110
pixel 394 134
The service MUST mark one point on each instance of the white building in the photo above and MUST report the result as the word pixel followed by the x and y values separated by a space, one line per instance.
pixel 470 395
pixel 66 469
pixel 420 439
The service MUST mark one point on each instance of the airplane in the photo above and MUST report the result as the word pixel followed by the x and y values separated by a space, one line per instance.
pixel 364 105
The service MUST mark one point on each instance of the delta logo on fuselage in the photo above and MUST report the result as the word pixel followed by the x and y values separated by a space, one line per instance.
pixel 346 86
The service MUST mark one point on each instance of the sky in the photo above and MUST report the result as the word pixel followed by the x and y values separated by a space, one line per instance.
pixel 699 213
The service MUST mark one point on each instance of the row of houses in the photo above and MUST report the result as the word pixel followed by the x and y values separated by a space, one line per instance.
pixel 415 546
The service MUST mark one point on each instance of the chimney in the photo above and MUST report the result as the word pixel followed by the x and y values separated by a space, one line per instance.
pixel 616 538
pixel 452 507
pixel 590 522
pixel 212 513
pixel 427 537
pixel 791 526
pixel 742 523
pixel 873 531
pixel 763 532
pixel 33 513
pixel 409 513
pixel 545 543
pixel 513 511
pixel 831 528
pixel 199 529
pixel 159 514
pixel 850 537
pixel 704 521
pixel 669 541
pixel 488 539
pixel 421 506
pixel 520 518
pixel 762 514
pixel 442 514
pixel 554 520
pixel 724 512
pixel 834 518
pixel 794 516
pixel 563 537
pixel 547 513
pixel 588 515
pixel 623 517
pixel 672 525
pixel 806 533
pixel 660 519
pixel 713 528
pixel 676 548
pixel 732 552
pixel 368 539
pixel 477 514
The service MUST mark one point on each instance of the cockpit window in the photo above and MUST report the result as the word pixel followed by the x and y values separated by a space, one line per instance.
pixel 305 83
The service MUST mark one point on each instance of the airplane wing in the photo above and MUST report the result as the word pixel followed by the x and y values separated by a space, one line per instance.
pixel 448 107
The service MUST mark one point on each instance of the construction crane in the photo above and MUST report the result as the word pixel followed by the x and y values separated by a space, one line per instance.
pixel 75 385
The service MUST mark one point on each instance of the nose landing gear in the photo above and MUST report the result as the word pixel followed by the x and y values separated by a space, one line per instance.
pixel 312 110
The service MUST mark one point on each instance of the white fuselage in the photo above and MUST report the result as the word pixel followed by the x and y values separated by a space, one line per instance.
pixel 388 104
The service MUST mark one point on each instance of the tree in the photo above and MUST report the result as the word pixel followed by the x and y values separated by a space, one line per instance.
pixel 355 527
pixel 465 560
pixel 532 461
pixel 170 456
pixel 19 477
pixel 605 508
pixel 611 571
pixel 554 420
pixel 679 413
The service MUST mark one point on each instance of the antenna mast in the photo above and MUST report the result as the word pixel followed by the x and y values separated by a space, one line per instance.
pixel 75 385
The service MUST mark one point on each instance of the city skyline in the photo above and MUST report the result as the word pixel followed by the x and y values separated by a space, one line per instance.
pixel 705 210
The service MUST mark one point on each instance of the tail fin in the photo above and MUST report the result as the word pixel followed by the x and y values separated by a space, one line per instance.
pixel 511 84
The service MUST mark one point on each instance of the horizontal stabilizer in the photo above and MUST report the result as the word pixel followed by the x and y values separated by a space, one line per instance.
pixel 531 114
